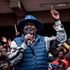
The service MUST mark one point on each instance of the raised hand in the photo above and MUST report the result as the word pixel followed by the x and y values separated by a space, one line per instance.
pixel 54 13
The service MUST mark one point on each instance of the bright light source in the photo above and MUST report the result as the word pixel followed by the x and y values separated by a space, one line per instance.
pixel 60 5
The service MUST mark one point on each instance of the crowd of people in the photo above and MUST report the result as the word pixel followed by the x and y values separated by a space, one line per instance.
pixel 59 58
pixel 30 51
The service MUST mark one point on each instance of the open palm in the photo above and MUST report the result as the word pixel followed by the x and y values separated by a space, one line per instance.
pixel 55 14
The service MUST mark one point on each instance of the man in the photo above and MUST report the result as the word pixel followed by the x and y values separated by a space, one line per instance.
pixel 30 51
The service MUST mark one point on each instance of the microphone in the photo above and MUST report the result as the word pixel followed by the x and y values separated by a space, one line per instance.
pixel 28 42
pixel 28 39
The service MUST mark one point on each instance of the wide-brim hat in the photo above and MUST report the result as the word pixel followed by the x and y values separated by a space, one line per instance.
pixel 32 19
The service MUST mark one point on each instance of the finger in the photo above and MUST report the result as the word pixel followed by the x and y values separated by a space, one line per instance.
pixel 28 36
pixel 54 12
pixel 52 8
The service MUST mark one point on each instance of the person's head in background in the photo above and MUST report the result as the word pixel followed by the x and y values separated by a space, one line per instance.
pixel 61 54
pixel 4 39
pixel 3 49
pixel 4 63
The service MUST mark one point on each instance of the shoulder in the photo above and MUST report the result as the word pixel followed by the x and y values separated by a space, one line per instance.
pixel 18 38
pixel 13 44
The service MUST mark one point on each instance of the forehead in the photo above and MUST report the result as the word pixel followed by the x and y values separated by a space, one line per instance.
pixel 29 23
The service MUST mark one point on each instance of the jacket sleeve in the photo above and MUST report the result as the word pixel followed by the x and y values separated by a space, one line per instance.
pixel 15 54
pixel 61 35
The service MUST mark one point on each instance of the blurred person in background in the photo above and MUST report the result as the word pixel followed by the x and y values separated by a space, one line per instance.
pixel 4 61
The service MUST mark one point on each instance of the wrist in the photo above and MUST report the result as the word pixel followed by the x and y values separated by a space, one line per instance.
pixel 56 20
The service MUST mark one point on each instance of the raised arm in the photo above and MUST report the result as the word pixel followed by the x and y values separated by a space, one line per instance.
pixel 60 31
pixel 61 36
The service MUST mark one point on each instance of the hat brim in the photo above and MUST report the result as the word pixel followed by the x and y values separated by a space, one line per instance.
pixel 22 23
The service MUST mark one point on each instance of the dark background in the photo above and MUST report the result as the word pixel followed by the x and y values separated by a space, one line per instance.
pixel 9 31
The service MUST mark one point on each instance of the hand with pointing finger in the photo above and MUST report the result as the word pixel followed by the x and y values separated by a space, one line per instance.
pixel 54 13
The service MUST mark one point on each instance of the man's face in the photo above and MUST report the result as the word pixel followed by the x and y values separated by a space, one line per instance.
pixel 29 28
